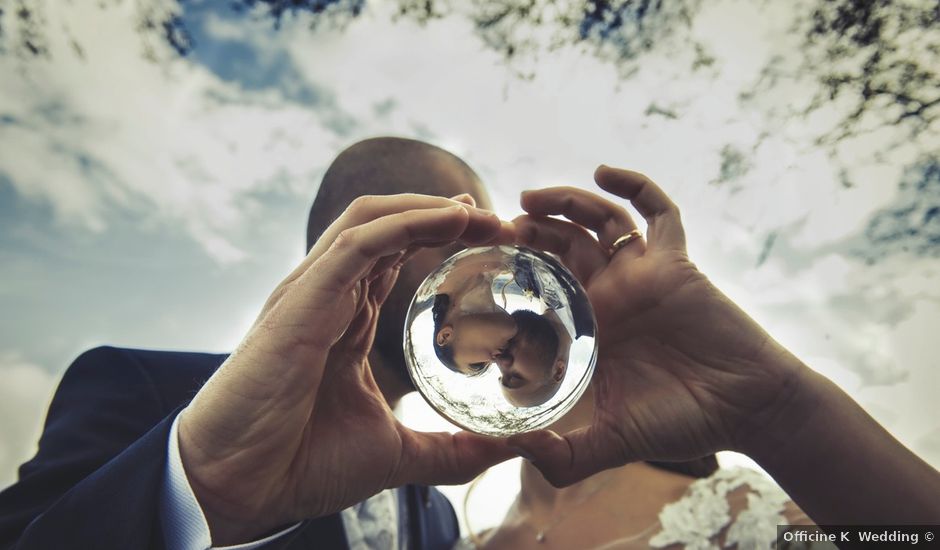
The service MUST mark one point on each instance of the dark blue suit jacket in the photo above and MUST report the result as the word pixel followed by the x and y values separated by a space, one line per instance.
pixel 95 481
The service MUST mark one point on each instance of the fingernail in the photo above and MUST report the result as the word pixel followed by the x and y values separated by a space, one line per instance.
pixel 522 198
pixel 483 212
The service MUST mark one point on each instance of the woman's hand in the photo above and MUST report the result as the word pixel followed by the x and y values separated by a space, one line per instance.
pixel 682 372
pixel 292 426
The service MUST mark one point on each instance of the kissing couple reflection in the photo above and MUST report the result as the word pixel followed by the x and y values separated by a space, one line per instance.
pixel 472 332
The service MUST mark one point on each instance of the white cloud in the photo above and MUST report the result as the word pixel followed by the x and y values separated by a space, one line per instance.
pixel 166 140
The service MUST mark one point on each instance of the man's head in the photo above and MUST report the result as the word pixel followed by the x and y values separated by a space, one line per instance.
pixel 531 369
pixel 468 343
pixel 388 166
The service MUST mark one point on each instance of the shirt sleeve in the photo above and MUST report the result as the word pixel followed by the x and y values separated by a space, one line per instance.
pixel 183 522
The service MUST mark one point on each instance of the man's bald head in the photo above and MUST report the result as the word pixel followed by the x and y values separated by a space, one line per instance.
pixel 388 166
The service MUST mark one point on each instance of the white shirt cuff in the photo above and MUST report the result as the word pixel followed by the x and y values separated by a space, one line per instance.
pixel 184 524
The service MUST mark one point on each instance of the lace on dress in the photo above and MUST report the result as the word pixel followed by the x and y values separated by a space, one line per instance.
pixel 695 521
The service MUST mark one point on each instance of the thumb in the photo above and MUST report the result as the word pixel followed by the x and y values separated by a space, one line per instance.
pixel 442 458
pixel 566 459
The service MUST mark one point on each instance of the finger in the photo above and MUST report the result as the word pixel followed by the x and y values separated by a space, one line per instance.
pixel 482 228
pixel 485 235
pixel 566 459
pixel 356 250
pixel 664 226
pixel 465 198
pixel 608 220
pixel 505 236
pixel 479 233
pixel 380 288
pixel 442 458
pixel 578 250
pixel 370 207
pixel 387 263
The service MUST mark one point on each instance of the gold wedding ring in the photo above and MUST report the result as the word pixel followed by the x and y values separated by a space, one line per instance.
pixel 624 240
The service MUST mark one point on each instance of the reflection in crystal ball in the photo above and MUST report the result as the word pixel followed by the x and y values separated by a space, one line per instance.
pixel 500 340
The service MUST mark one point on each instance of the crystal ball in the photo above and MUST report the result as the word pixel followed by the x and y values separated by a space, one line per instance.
pixel 500 340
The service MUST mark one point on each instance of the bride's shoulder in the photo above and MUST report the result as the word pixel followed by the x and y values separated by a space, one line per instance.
pixel 732 506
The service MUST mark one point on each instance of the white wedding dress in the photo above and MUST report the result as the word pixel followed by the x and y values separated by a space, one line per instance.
pixel 695 521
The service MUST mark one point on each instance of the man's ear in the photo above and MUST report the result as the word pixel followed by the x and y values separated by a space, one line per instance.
pixel 445 335
pixel 559 370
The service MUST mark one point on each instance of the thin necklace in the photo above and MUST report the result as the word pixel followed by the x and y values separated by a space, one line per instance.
pixel 553 522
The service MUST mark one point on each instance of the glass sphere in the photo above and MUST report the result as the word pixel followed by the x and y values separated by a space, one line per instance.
pixel 500 340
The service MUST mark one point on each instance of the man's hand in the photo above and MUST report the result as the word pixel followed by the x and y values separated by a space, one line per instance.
pixel 682 372
pixel 292 426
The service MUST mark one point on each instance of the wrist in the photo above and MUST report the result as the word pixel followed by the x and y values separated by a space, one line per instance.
pixel 775 429
pixel 227 525
pixel 230 520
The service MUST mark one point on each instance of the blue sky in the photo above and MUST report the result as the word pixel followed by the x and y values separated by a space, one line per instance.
pixel 156 203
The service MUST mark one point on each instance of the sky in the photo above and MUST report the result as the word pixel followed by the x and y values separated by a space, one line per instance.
pixel 150 201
